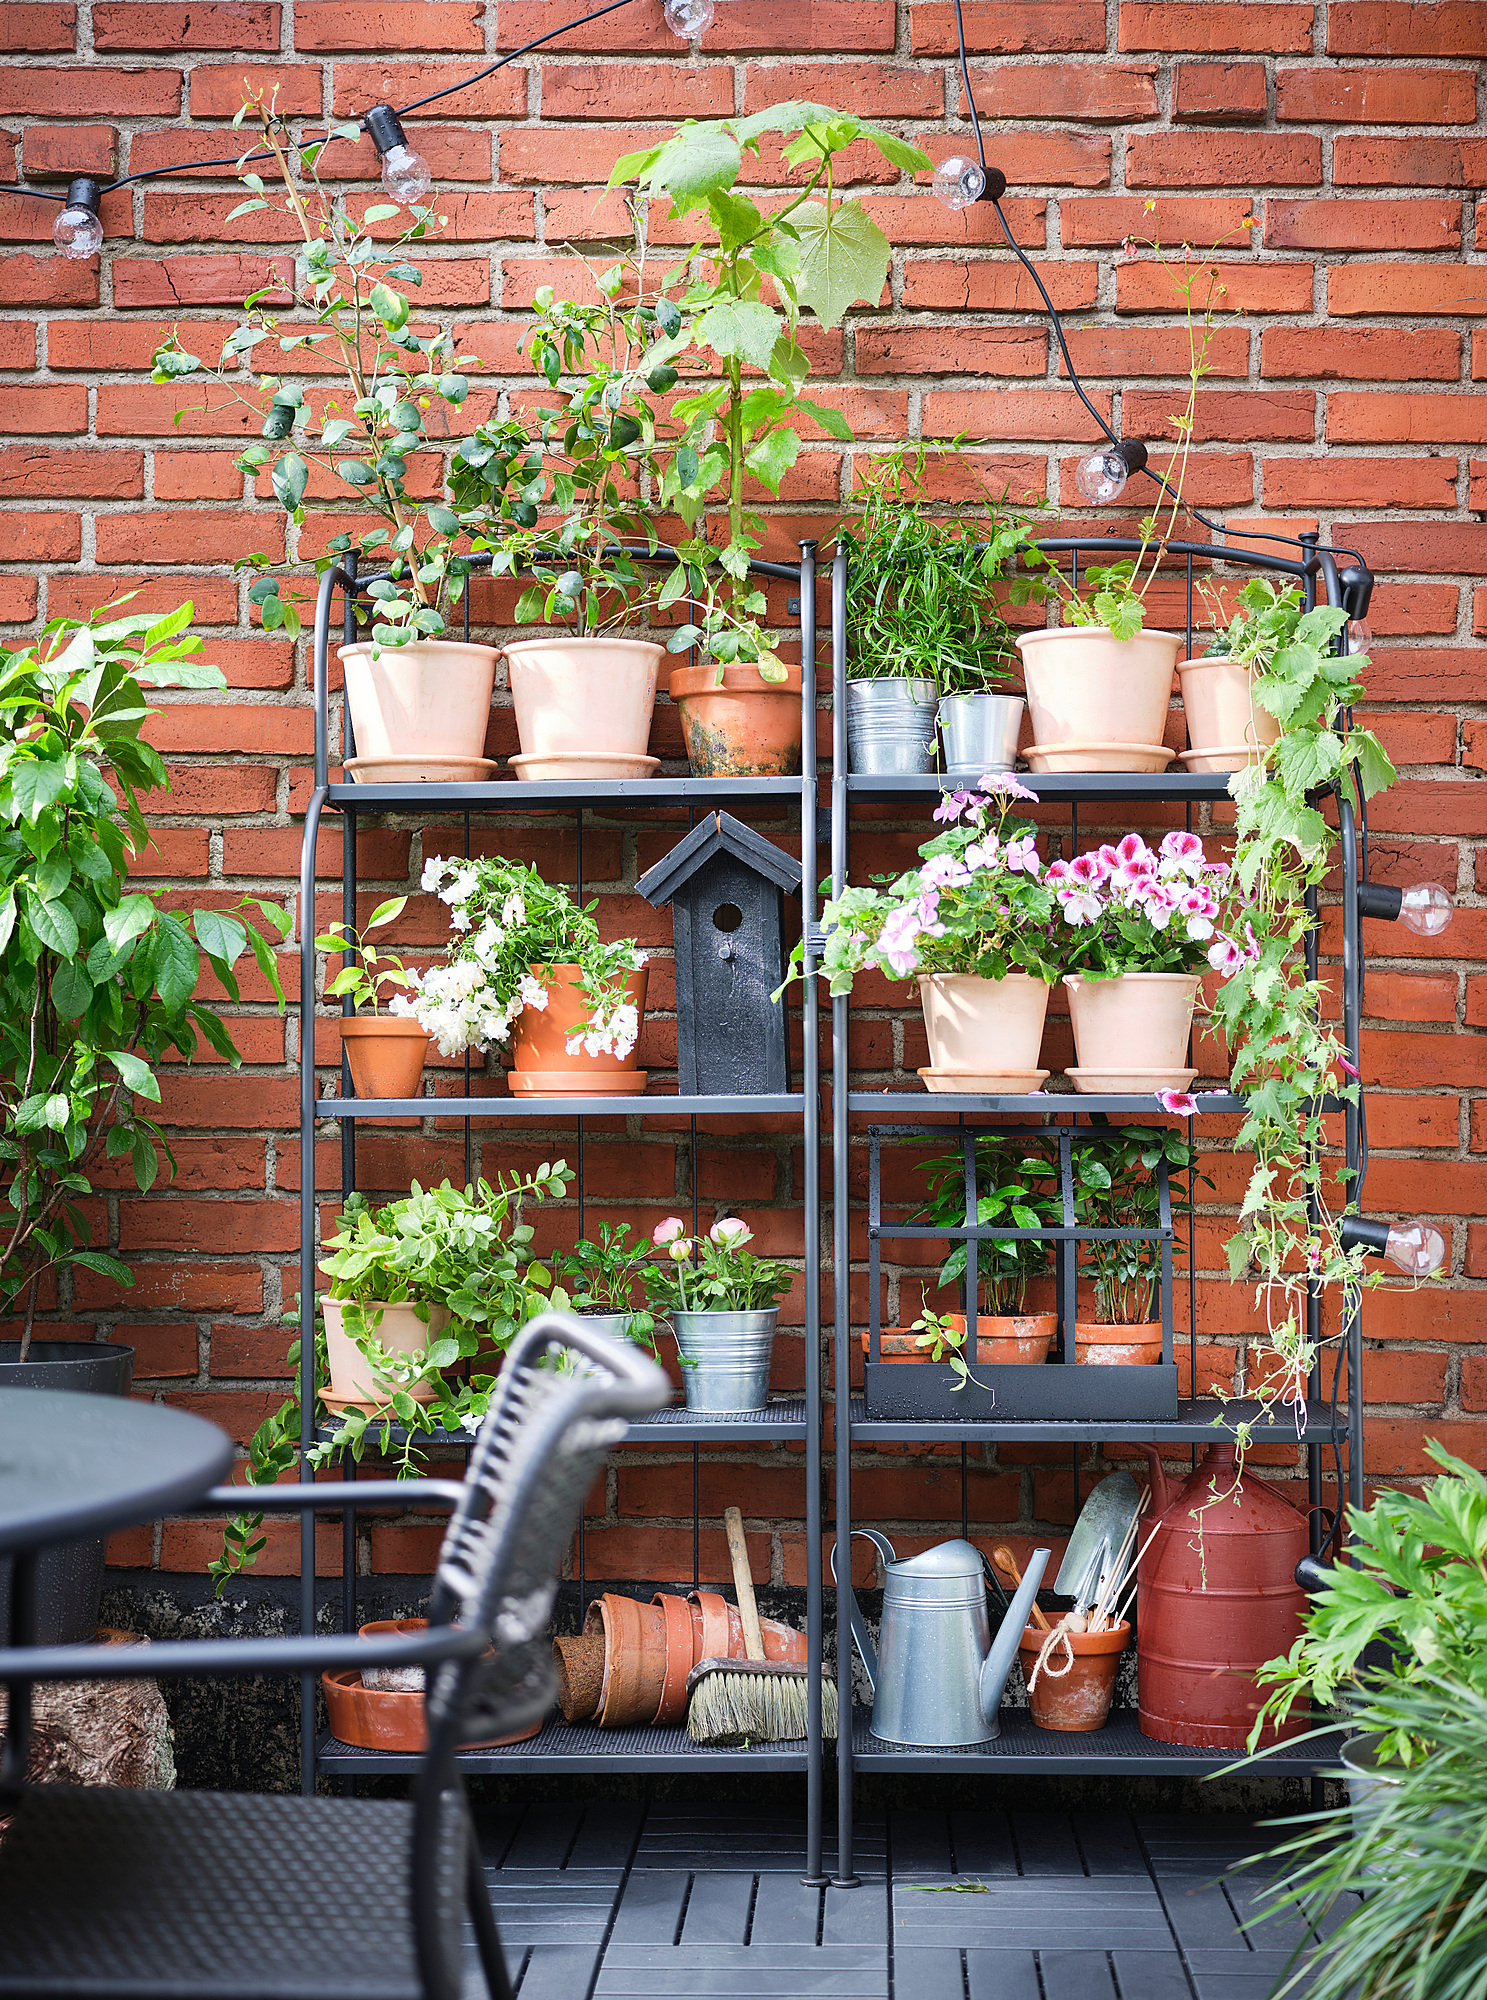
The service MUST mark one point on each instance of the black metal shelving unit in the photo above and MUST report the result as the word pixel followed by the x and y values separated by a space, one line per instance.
pixel 791 1420
pixel 1120 1748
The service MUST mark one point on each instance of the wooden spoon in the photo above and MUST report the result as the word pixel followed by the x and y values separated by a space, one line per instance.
pixel 1007 1564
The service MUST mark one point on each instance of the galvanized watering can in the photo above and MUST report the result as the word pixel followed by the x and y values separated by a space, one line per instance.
pixel 937 1673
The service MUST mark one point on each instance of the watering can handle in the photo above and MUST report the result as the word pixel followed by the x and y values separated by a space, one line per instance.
pixel 860 1635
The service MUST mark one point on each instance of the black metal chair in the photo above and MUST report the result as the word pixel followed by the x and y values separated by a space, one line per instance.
pixel 260 1897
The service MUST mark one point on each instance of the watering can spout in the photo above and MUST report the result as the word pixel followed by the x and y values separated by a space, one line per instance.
pixel 1162 1489
pixel 998 1662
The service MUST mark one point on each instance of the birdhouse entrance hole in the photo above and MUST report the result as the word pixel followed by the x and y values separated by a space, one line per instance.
pixel 727 917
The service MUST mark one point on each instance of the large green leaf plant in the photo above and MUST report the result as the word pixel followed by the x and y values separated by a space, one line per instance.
pixel 97 979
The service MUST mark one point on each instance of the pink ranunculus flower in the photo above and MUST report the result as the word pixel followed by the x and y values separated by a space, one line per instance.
pixel 731 1232
pixel 681 1250
pixel 668 1231
pixel 1178 1103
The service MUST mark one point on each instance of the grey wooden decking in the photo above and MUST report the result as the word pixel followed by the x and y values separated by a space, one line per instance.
pixel 616 1902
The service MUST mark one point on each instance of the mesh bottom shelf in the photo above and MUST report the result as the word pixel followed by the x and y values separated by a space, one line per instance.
pixel 584 1749
pixel 1118 1747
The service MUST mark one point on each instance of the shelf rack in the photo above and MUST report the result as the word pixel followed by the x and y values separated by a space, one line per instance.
pixel 792 1420
pixel 1119 1748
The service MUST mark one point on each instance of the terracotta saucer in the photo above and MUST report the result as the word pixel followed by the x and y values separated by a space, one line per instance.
pixel 422 770
pixel 1128 1082
pixel 340 1406
pixel 1099 756
pixel 574 1083
pixel 985 1082
pixel 1224 757
pixel 567 766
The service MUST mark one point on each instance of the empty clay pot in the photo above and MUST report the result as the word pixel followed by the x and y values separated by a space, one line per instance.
pixel 1097 1341
pixel 704 1626
pixel 739 725
pixel 580 1669
pixel 390 1718
pixel 1080 1698
pixel 385 1052
pixel 634 1659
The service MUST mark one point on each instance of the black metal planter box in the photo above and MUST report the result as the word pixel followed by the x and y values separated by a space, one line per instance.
pixel 905 1391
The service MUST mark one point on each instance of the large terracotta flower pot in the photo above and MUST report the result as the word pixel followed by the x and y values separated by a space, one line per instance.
pixel 1086 686
pixel 1078 1696
pixel 386 1053
pixel 1117 1346
pixel 575 697
pixel 983 1025
pixel 431 697
pixel 741 726
pixel 541 1064
pixel 400 1330
pixel 1137 1021
pixel 391 1717
pixel 1223 716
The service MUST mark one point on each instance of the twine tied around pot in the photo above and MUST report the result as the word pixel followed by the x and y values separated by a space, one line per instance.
pixel 1059 1636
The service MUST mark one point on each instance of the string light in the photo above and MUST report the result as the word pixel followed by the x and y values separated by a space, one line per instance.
pixel 1426 908
pixel 77 231
pixel 1102 476
pixel 1416 1248
pixel 405 174
pixel 689 18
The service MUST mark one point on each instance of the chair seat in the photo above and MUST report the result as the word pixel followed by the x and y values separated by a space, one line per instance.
pixel 189 1893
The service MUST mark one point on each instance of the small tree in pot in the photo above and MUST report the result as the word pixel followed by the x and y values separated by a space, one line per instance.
pixel 604 1278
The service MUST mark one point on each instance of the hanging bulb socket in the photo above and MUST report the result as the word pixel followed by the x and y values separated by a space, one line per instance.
pixel 1417 1248
pixel 1425 908
pixel 405 174
pixel 77 231
pixel 1102 476
pixel 961 183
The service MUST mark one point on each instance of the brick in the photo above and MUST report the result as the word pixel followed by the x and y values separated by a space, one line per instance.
pixel 173 536
pixel 17 345
pixel 202 1165
pixel 159 1350
pixel 1335 224
pixel 1009 27
pixel 219 90
pixel 174 1287
pixel 1414 28
pixel 355 87
pixel 233 25
pixel 197 475
pixel 1415 738
pixel 29 28
pixel 1359 482
pixel 1417 289
pixel 23 219
pixel 206 1228
pixel 257 729
pixel 1439 547
pixel 1375 96
pixel 18 599
pixel 202 218
pixel 1223 159
pixel 38 91
pixel 1236 416
pixel 1127 351
pixel 997 285
pixel 878 90
pixel 646 90
pixel 1474 1382
pixel 452 26
pixel 1099 220
pixel 174 851
pixel 1214 93
pixel 1218 27
pixel 1052 415
pixel 43 538
pixel 47 281
pixel 59 152
pixel 139 409
pixel 1084 93
pixel 1414 162
pixel 76 596
pixel 1364 354
pixel 1042 159
pixel 834 27
pixel 1393 1377
pixel 1390 418
pixel 244 1101
pixel 107 346
pixel 1149 286
pixel 1423 673
pixel 951 350
pixel 165 283
pixel 33 471
pixel 1394 1448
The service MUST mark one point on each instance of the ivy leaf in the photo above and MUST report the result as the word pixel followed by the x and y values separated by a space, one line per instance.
pixel 1306 759
pixel 698 161
pixel 741 327
pixel 1375 771
pixel 844 258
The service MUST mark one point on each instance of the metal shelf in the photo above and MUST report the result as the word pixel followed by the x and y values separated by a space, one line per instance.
pixel 584 1750
pixel 1037 1103
pixel 778 1423
pixel 1195 1423
pixel 1052 787
pixel 1117 1749
pixel 646 1104
pixel 593 793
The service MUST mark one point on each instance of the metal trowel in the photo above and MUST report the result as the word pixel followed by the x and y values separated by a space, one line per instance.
pixel 1098 1533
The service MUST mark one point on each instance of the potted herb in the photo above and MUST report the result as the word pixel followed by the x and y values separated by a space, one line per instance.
pixel 385 1052
pixel 603 1278
pixel 1013 1191
pixel 928 638
pixel 420 703
pixel 526 967
pixel 722 1303
pixel 973 923
pixel 1138 926
pixel 740 703
pixel 1229 724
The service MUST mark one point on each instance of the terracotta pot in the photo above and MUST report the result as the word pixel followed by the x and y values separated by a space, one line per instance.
pixel 1138 1021
pixel 386 1054
pixel 1221 711
pixel 680 1658
pixel 1086 686
pixel 387 1718
pixel 399 1329
pixel 742 726
pixel 983 1024
pixel 634 1659
pixel 573 694
pixel 579 1664
pixel 541 1034
pixel 1001 1339
pixel 1097 1341
pixel 1080 1698
pixel 431 697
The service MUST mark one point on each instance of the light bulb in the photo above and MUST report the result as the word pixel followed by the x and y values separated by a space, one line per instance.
pixel 1102 476
pixel 1416 1248
pixel 957 182
pixel 77 232
pixel 405 174
pixel 689 18
pixel 1360 635
pixel 1426 909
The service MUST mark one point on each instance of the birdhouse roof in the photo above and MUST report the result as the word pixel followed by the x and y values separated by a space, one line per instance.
pixel 719 833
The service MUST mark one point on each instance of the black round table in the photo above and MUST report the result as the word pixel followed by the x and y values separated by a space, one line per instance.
pixel 73 1465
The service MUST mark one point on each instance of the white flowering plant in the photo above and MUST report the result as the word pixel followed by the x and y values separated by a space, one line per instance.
pixel 713 1273
pixel 1133 908
pixel 977 902
pixel 510 929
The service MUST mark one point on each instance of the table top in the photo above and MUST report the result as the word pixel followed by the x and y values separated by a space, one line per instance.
pixel 72 1466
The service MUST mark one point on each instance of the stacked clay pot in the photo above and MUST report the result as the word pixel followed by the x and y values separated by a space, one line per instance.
pixel 630 1664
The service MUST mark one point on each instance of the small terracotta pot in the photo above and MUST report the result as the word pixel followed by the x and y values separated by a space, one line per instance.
pixel 983 1024
pixel 1086 686
pixel 634 1659
pixel 574 694
pixel 399 1329
pixel 1096 1341
pixel 680 1658
pixel 1001 1339
pixel 541 1033
pixel 387 1718
pixel 1221 709
pixel 386 1054
pixel 1136 1021
pixel 430 698
pixel 741 726
pixel 1080 1698
pixel 579 1664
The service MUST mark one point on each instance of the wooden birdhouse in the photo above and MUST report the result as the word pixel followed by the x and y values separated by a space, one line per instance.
pixel 726 886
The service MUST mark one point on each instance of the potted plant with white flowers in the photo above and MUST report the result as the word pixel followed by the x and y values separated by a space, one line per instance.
pixel 526 967
pixel 722 1303
pixel 974 924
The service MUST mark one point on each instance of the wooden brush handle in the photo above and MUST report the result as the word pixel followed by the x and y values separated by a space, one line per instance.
pixel 743 1583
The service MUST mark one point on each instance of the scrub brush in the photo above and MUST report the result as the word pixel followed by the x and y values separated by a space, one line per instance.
pixel 752 1700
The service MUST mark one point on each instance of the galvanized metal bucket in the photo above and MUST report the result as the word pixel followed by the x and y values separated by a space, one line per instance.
pixel 725 1358
pixel 891 726
pixel 980 732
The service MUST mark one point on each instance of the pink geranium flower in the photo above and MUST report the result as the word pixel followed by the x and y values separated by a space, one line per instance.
pixel 1225 956
pixel 1022 855
pixel 1178 1103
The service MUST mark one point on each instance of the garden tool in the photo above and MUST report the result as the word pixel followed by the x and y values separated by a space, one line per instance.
pixel 753 1700
pixel 1098 1533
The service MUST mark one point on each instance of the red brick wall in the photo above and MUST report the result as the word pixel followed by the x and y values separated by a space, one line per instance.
pixel 1344 393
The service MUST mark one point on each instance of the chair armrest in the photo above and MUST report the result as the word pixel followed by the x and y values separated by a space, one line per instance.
pixel 238 1656
pixel 332 1494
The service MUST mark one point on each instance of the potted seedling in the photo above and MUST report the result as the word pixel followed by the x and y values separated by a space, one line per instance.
pixel 1013 1191
pixel 722 1304
pixel 602 1281
pixel 385 1051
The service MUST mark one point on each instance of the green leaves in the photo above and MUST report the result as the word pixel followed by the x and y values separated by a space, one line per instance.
pixel 844 258
pixel 739 327
pixel 290 476
pixel 136 1073
pixel 700 160
pixel 177 963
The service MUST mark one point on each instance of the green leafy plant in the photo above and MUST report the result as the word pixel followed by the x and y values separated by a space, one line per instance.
pixel 735 305
pixel 368 970
pixel 1117 1185
pixel 713 1273
pixel 97 980
pixel 1012 1192
pixel 398 386
pixel 920 602
pixel 604 1277
pixel 943 1341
